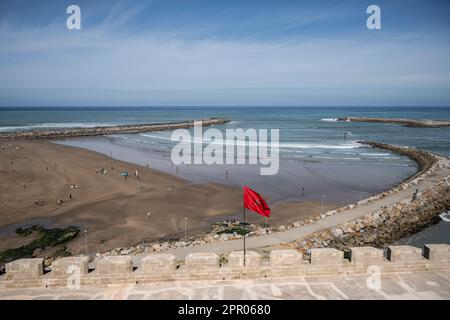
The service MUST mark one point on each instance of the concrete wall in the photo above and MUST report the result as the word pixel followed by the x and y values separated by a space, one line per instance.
pixel 202 266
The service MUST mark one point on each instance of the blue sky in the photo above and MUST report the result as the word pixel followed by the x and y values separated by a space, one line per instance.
pixel 301 53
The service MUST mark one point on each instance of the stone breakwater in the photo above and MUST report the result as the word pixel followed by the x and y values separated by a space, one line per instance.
pixel 394 221
pixel 97 131
pixel 405 122
pixel 74 273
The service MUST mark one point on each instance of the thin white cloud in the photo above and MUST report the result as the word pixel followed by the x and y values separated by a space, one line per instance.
pixel 169 66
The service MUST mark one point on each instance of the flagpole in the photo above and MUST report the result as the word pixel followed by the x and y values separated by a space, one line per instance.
pixel 245 231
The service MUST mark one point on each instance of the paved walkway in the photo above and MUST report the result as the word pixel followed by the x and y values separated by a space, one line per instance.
pixel 420 286
pixel 307 230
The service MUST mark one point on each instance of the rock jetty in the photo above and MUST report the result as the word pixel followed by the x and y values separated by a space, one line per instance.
pixel 405 122
pixel 394 221
pixel 61 133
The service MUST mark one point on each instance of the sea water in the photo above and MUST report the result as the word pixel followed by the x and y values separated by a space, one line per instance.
pixel 317 152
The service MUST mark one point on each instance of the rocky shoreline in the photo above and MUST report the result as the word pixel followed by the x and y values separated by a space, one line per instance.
pixel 405 122
pixel 97 131
pixel 395 221
pixel 376 229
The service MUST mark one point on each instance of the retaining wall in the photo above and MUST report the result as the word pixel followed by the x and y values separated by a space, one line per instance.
pixel 74 271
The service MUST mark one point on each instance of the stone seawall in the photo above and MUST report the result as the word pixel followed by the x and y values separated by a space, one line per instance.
pixel 425 160
pixel 97 131
pixel 406 122
pixel 73 272
pixel 394 221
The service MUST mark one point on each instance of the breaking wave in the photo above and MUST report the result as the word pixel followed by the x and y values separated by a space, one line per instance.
pixel 329 119
pixel 445 216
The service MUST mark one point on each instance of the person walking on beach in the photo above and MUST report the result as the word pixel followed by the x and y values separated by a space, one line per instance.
pixel 414 197
pixel 70 196
pixel 226 174
pixel 136 174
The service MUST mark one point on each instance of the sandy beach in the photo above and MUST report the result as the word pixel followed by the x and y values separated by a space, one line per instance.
pixel 112 209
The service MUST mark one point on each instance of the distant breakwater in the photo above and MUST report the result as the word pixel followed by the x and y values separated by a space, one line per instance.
pixel 406 122
pixel 60 133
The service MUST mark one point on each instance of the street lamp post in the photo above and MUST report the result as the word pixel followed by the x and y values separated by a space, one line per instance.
pixel 323 197
pixel 185 229
pixel 85 242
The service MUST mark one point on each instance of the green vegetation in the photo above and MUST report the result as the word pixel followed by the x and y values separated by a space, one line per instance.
pixel 48 238
pixel 27 231
pixel 234 229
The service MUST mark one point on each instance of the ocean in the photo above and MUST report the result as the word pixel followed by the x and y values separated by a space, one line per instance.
pixel 307 127
pixel 317 153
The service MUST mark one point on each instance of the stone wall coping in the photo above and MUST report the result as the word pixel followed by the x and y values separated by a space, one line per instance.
pixel 118 269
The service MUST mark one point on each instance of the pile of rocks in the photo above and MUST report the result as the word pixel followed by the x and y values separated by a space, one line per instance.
pixel 59 133
pixel 217 233
pixel 428 164
pixel 385 225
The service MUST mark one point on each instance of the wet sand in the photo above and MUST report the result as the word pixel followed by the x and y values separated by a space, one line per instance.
pixel 341 182
pixel 112 209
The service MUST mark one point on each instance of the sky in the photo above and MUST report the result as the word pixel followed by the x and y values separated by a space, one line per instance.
pixel 225 53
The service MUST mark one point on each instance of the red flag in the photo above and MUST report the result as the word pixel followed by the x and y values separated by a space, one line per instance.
pixel 253 201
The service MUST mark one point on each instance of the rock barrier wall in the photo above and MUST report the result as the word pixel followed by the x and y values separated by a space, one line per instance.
pixel 73 272
pixel 395 221
pixel 97 131
pixel 405 122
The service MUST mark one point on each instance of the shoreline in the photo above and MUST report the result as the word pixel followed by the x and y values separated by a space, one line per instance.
pixel 413 123
pixel 430 203
pixel 61 133
pixel 408 213
pixel 433 205
pixel 426 161
pixel 341 182
pixel 113 210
